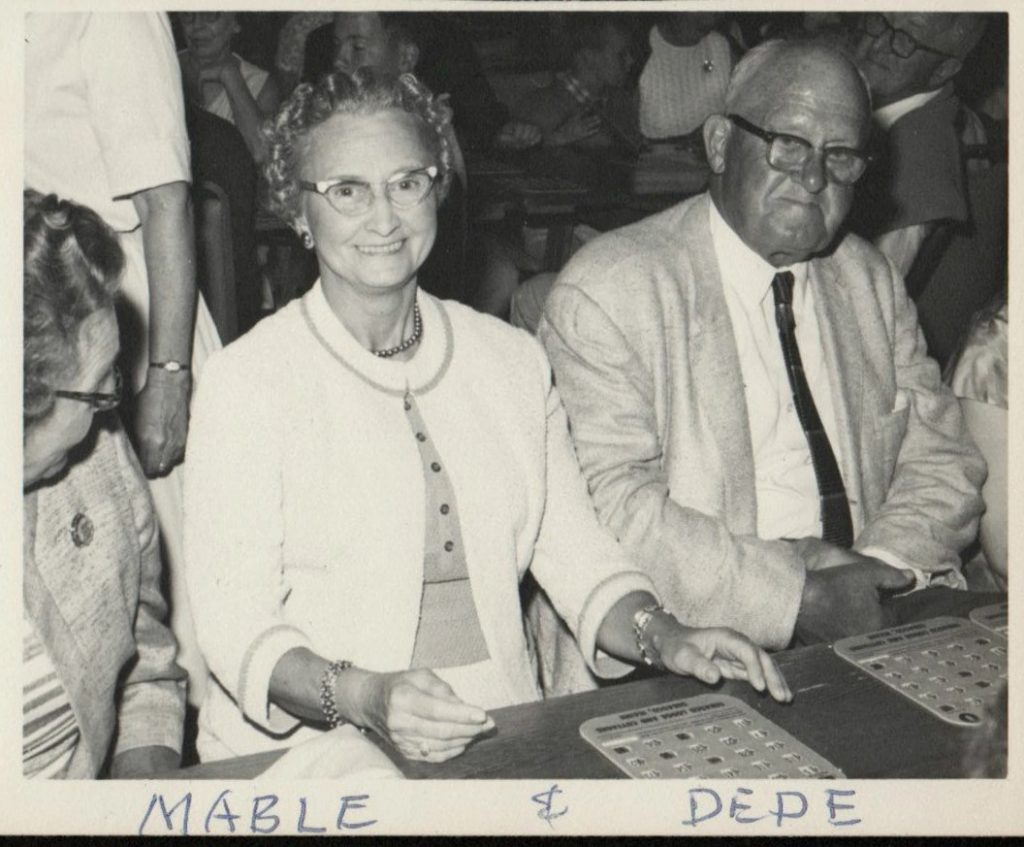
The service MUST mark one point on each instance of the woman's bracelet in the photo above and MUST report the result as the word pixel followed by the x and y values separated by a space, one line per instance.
pixel 327 679
pixel 641 620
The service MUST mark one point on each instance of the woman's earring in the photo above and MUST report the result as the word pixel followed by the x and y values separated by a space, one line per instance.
pixel 307 239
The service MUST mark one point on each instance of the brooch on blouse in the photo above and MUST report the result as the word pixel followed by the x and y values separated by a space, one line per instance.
pixel 82 530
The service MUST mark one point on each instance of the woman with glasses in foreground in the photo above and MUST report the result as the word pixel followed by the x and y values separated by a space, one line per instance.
pixel 102 693
pixel 372 471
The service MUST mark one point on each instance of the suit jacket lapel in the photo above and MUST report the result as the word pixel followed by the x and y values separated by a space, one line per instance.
pixel 842 347
pixel 715 367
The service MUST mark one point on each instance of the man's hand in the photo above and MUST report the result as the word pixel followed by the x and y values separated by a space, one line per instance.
pixel 161 420
pixel 518 135
pixel 845 599
pixel 817 554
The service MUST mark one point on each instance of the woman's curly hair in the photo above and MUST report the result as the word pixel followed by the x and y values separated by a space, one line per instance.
pixel 364 92
pixel 73 266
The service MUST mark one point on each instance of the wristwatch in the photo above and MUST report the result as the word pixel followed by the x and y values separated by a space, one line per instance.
pixel 171 366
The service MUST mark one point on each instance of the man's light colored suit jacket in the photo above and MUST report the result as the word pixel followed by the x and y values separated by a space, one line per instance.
pixel 640 339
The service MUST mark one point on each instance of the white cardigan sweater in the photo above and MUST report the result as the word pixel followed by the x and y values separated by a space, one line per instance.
pixel 304 504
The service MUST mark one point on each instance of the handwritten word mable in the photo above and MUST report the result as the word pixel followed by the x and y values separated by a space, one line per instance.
pixel 706 804
pixel 258 815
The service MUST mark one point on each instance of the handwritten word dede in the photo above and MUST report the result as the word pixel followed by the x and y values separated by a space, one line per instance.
pixel 706 804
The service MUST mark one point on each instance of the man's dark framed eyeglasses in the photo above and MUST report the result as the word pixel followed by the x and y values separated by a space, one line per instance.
pixel 902 43
pixel 791 153
pixel 99 401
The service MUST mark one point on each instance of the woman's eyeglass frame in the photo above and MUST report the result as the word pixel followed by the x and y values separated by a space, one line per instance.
pixel 100 401
pixel 773 156
pixel 324 186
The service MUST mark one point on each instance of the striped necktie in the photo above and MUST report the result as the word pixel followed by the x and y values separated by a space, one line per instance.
pixel 836 524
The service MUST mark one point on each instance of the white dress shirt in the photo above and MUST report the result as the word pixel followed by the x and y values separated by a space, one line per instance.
pixel 886 116
pixel 788 501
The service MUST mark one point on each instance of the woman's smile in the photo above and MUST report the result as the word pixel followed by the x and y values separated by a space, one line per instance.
pixel 381 249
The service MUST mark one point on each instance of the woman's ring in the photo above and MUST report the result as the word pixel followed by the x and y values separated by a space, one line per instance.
pixel 424 750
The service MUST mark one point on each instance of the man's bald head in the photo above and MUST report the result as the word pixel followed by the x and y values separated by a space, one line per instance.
pixel 803 90
pixel 770 69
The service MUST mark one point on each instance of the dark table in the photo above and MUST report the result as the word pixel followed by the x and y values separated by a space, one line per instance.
pixel 854 721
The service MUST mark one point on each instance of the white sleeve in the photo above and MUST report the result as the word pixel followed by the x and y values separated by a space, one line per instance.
pixel 136 103
pixel 234 532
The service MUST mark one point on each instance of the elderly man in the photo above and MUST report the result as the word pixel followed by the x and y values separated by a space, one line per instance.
pixel 759 492
pixel 910 60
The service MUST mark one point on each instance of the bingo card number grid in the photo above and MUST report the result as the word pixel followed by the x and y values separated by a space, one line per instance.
pixel 951 667
pixel 710 736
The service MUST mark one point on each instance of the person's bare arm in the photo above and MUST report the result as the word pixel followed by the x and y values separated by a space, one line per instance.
pixel 161 415
pixel 249 112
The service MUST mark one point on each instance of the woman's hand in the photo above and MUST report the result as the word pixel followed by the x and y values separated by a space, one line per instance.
pixel 710 654
pixel 161 420
pixel 420 714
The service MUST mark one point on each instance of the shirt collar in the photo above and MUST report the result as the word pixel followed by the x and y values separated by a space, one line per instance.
pixel 743 270
pixel 886 116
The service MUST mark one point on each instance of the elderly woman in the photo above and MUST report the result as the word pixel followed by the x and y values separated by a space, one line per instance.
pixel 222 82
pixel 100 681
pixel 372 471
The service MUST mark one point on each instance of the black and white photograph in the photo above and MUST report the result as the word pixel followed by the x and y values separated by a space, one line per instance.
pixel 510 417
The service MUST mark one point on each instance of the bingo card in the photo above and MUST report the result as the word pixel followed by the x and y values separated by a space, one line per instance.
pixel 951 667
pixel 710 736
pixel 995 617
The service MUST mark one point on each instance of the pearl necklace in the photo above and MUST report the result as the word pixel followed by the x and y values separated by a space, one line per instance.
pixel 417 332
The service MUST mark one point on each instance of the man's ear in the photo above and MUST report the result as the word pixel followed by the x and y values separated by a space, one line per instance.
pixel 408 57
pixel 945 71
pixel 717 129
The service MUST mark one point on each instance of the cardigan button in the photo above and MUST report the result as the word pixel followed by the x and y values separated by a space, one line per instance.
pixel 420 436
pixel 435 467
pixel 449 546
pixel 445 509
